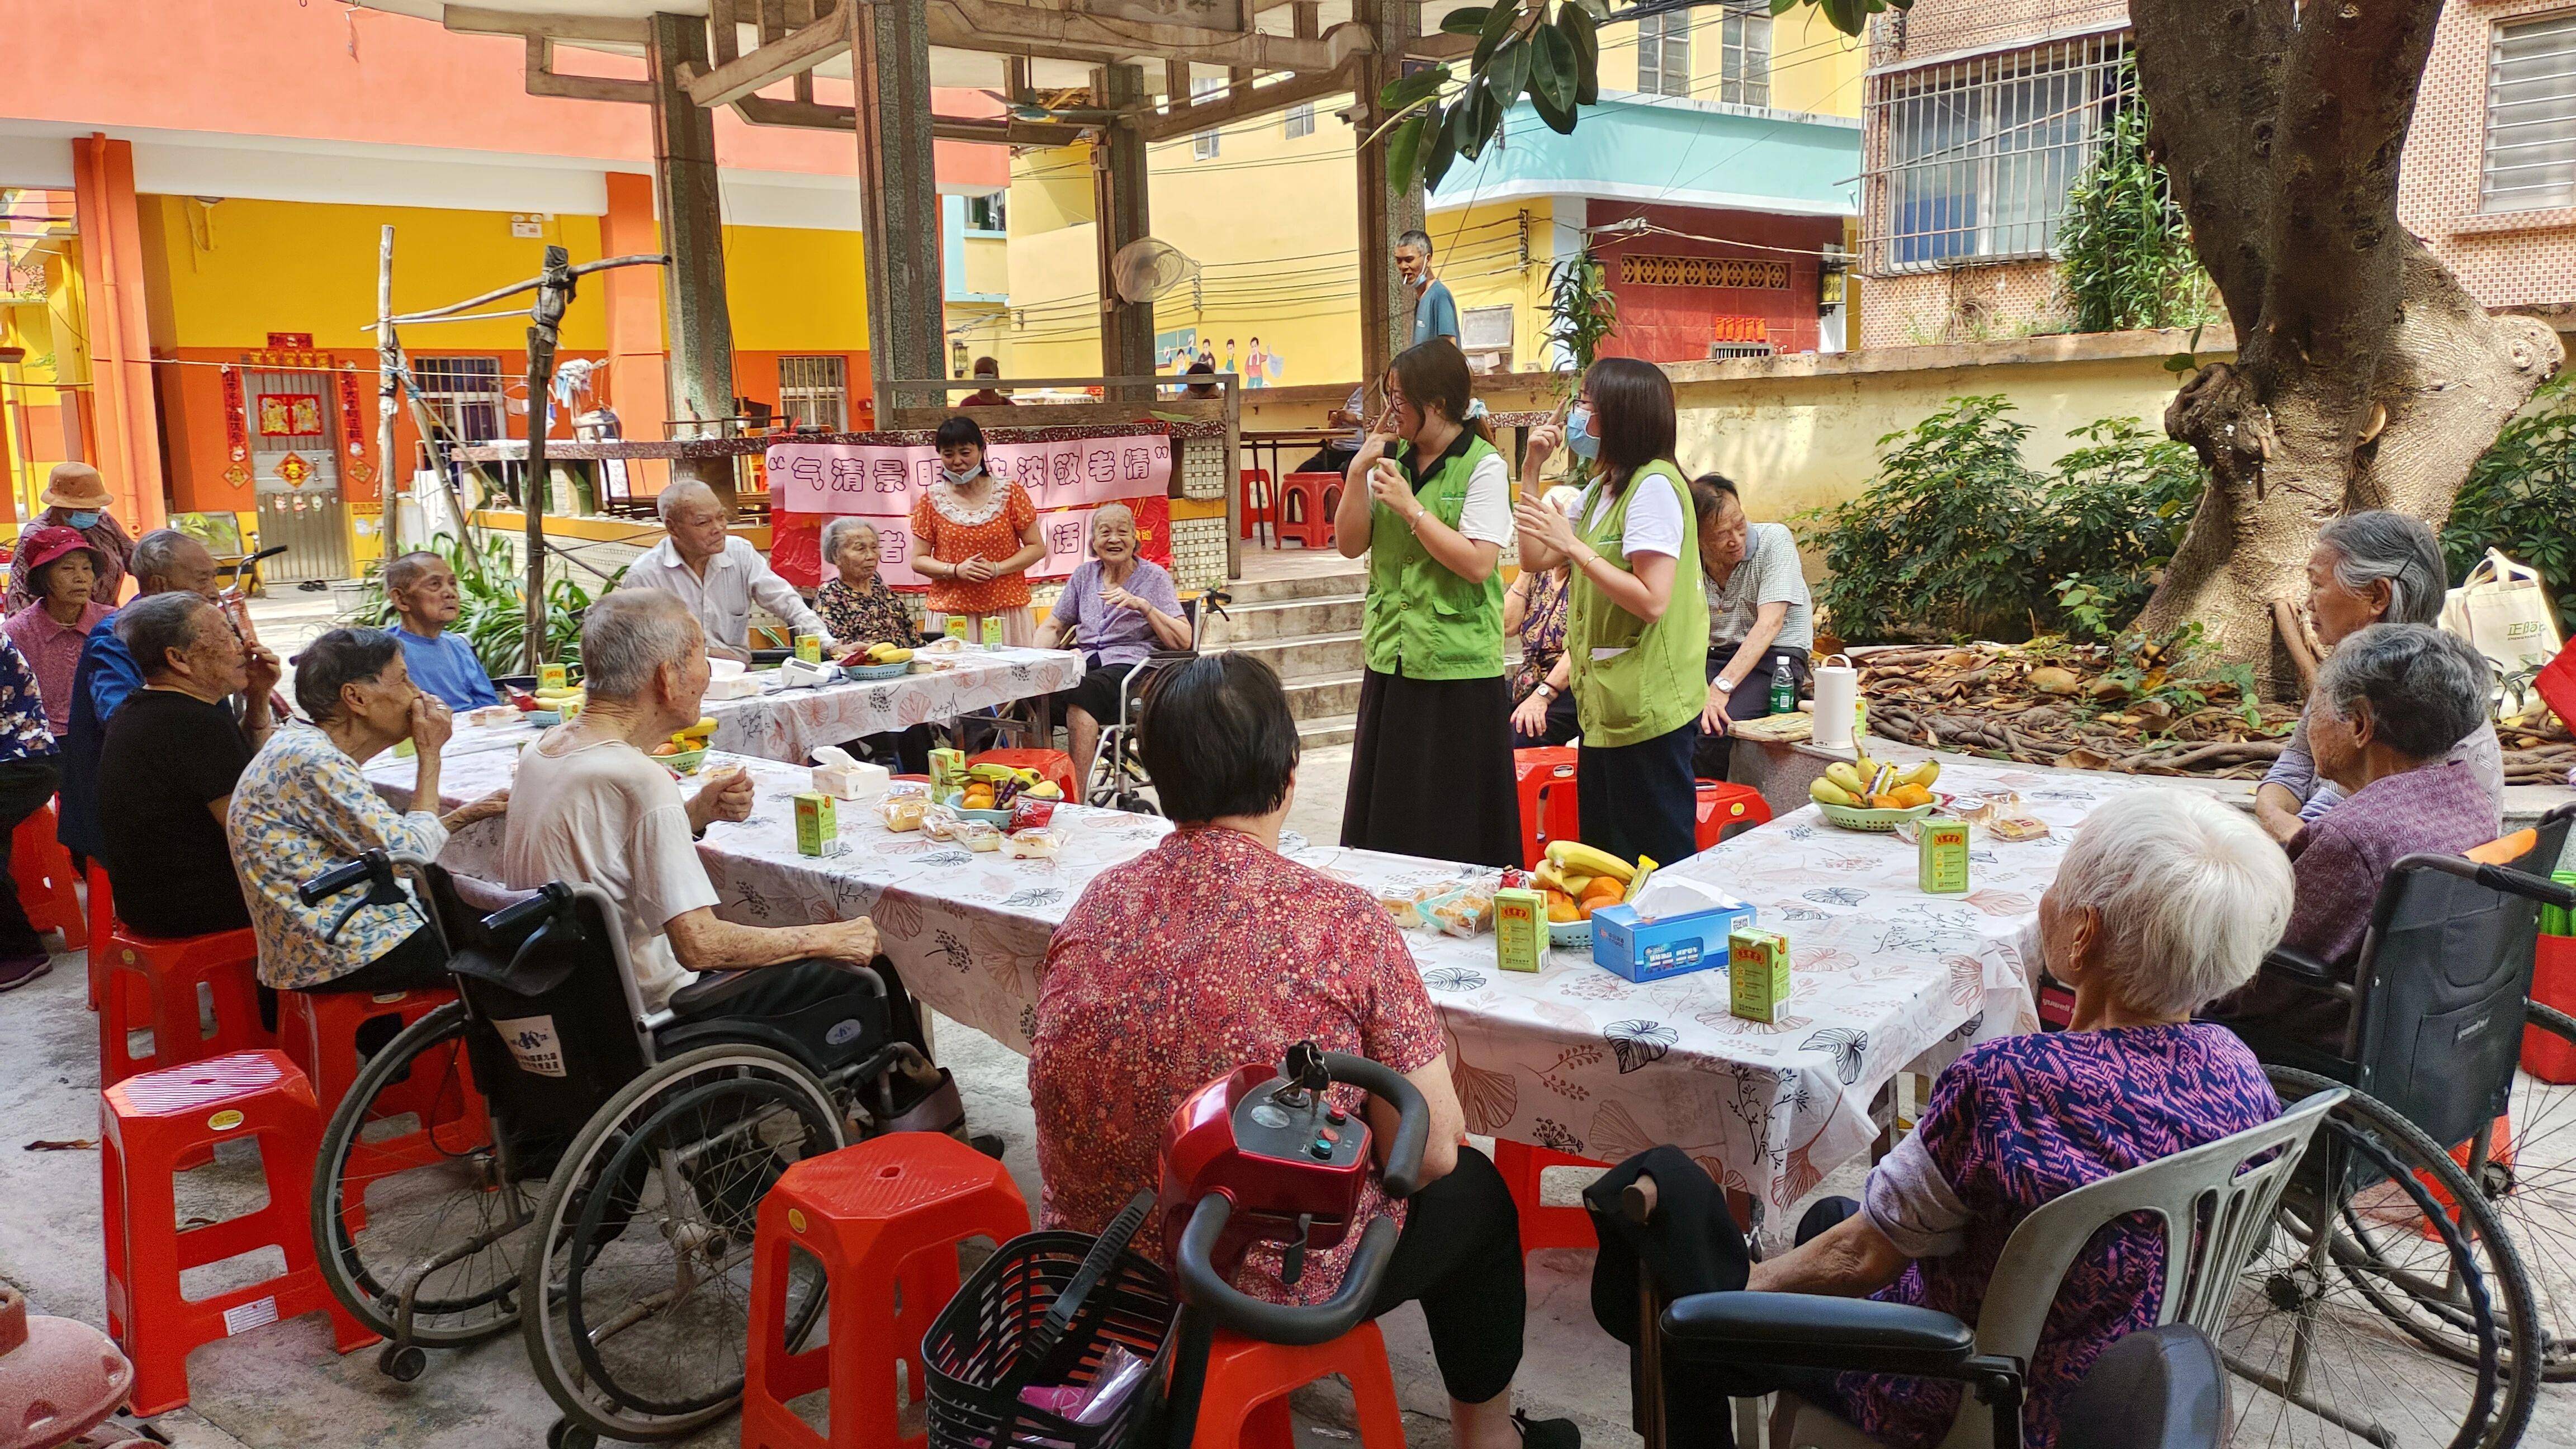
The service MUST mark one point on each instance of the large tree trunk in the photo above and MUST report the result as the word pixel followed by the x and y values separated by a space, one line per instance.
pixel 2365 376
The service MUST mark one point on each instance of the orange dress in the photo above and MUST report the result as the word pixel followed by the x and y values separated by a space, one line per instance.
pixel 949 529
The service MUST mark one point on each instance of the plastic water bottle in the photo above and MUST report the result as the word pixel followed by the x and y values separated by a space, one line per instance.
pixel 1784 688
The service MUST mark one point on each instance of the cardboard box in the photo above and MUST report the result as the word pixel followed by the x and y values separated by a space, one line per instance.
pixel 1758 974
pixel 1942 847
pixel 552 676
pixel 1652 950
pixel 818 825
pixel 1520 930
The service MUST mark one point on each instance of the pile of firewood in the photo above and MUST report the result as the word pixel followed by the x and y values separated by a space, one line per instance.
pixel 2076 705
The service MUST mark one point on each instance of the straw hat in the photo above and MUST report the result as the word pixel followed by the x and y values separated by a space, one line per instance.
pixel 75 486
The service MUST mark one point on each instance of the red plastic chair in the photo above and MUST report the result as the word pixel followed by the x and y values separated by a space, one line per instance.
pixel 150 1125
pixel 1544 778
pixel 154 982
pixel 1522 1167
pixel 41 868
pixel 882 1218
pixel 1245 1402
pixel 1258 503
pixel 1306 503
pixel 1054 765
pixel 1723 807
pixel 318 1031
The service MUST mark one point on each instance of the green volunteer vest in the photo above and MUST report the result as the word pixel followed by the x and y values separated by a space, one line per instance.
pixel 1420 615
pixel 1653 685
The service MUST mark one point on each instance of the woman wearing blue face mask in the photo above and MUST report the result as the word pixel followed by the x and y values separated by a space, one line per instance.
pixel 974 536
pixel 76 497
pixel 1636 622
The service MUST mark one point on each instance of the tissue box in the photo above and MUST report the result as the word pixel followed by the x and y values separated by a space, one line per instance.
pixel 857 780
pixel 1644 950
pixel 740 686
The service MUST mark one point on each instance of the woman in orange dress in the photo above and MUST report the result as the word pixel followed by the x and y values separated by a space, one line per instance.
pixel 974 537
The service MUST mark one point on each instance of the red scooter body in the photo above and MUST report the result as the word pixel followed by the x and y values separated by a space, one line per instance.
pixel 1291 1164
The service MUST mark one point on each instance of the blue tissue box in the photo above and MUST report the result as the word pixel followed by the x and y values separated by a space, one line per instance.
pixel 1652 950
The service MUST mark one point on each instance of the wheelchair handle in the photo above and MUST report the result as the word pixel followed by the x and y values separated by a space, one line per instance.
pixel 509 919
pixel 1279 1322
pixel 342 876
pixel 2501 878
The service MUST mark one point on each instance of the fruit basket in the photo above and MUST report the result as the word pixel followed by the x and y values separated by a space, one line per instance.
pixel 1571 935
pixel 685 762
pixel 895 670
pixel 1878 822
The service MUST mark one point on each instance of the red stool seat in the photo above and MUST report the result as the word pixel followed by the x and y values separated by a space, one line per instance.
pixel 1053 765
pixel 1306 504
pixel 153 982
pixel 1545 780
pixel 318 1031
pixel 41 868
pixel 1522 1167
pixel 148 1124
pixel 1245 1403
pixel 1723 807
pixel 1257 503
pixel 884 1219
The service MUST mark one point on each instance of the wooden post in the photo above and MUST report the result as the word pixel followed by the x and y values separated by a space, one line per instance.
pixel 898 197
pixel 554 292
pixel 699 326
pixel 388 401
pixel 1120 213
pixel 1388 206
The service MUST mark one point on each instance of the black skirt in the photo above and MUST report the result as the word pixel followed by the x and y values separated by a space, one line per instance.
pixel 1431 770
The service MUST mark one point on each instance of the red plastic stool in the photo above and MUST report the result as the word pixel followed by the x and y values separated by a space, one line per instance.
pixel 884 1219
pixel 153 982
pixel 1054 765
pixel 318 1031
pixel 147 1125
pixel 1722 807
pixel 41 868
pixel 1258 503
pixel 1545 779
pixel 1245 1403
pixel 1306 503
pixel 1522 1167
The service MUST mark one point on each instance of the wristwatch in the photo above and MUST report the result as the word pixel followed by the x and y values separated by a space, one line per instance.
pixel 1546 689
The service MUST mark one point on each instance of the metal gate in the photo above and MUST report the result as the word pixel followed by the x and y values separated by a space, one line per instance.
pixel 295 475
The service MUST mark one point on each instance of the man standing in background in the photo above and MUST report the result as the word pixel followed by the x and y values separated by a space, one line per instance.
pixel 1435 312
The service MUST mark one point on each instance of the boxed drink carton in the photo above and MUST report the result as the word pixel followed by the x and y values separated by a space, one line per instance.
pixel 818 825
pixel 1758 973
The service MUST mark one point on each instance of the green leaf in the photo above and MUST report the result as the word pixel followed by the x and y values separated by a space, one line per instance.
pixel 1559 119
pixel 1499 21
pixel 1467 21
pixel 1585 37
pixel 1508 71
pixel 2181 362
pixel 1413 89
pixel 1597 9
pixel 1552 76
pixel 1443 132
pixel 1783 7
pixel 1466 120
pixel 1842 15
pixel 1404 149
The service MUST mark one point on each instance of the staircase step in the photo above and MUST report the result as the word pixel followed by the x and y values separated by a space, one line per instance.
pixel 1300 659
pixel 1290 619
pixel 1331 730
pixel 1324 696
pixel 1339 577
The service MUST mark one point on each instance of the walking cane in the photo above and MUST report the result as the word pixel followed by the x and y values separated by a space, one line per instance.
pixel 1637 1205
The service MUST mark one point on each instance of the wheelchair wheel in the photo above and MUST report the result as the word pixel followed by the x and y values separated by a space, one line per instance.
pixel 2531 1185
pixel 644 1240
pixel 409 1191
pixel 2380 1230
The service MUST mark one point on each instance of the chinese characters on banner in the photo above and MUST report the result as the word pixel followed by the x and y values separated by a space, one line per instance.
pixel 1067 478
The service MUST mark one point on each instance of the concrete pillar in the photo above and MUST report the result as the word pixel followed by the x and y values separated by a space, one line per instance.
pixel 1118 198
pixel 127 450
pixel 1387 210
pixel 638 368
pixel 700 368
pixel 898 200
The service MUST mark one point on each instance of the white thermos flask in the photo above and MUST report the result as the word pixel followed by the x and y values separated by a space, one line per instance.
pixel 1837 694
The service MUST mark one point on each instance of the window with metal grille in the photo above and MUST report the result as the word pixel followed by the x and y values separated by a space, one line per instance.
pixel 813 392
pixel 464 393
pixel 1744 55
pixel 2531 116
pixel 988 212
pixel 1300 122
pixel 1663 54
pixel 1972 158
pixel 1203 144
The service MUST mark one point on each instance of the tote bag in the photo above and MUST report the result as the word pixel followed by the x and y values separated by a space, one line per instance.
pixel 2503 609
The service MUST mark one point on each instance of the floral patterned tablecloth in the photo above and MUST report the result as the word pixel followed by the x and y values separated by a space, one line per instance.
pixel 1886 978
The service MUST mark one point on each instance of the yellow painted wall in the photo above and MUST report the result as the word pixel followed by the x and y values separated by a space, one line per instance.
pixel 988 264
pixel 1814 68
pixel 796 290
pixel 36 408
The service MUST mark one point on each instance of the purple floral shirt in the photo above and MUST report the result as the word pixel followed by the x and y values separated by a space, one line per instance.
pixel 23 733
pixel 2018 1122
pixel 1117 636
pixel 2342 856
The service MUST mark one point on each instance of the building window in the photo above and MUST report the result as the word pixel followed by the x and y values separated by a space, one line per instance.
pixel 813 393
pixel 1663 54
pixel 1744 55
pixel 988 212
pixel 1485 335
pixel 1203 144
pixel 1301 121
pixel 464 393
pixel 1972 158
pixel 2531 116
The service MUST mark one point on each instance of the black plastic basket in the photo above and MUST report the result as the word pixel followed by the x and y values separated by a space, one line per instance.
pixel 1045 1309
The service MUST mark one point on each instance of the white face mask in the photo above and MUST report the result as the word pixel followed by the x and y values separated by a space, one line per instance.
pixel 957 479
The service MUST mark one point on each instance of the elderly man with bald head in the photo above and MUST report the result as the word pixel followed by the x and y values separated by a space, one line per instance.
pixel 718 576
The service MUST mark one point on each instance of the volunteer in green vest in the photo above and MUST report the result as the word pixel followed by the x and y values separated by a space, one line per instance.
pixel 1637 624
pixel 1429 501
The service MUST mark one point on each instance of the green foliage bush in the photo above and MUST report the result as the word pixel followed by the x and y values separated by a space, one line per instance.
pixel 1959 538
pixel 2521 498
pixel 2124 250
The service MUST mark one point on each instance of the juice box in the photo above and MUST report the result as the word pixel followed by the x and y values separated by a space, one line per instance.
pixel 1757 969
pixel 992 631
pixel 552 676
pixel 1942 846
pixel 818 827
pixel 956 628
pixel 1520 929
pixel 809 647
pixel 947 772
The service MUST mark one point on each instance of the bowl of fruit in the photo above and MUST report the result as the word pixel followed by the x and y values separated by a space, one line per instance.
pixel 877 661
pixel 1575 880
pixel 686 749
pixel 1875 795
pixel 992 790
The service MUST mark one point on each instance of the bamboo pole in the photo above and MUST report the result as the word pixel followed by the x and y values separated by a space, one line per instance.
pixel 388 398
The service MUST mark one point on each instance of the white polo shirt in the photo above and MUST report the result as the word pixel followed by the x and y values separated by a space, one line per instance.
pixel 722 600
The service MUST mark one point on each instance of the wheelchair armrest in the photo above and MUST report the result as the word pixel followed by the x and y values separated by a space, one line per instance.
pixel 1801 1330
pixel 2300 968
pixel 710 988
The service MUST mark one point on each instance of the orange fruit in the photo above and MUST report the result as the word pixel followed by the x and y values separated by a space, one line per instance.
pixel 1562 907
pixel 1603 892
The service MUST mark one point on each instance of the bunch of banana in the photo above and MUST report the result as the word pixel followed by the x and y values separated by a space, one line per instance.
pixel 998 773
pixel 1876 784
pixel 882 653
pixel 695 737
pixel 1574 858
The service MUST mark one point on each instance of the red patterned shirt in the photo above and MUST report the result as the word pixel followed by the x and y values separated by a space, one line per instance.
pixel 1207 952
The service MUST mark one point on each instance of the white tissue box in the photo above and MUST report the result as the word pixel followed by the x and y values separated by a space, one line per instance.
pixel 857 780
pixel 739 686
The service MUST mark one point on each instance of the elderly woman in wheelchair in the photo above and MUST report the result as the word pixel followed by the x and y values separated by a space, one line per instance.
pixel 2165 900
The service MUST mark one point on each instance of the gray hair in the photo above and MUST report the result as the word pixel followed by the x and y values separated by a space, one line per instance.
pixel 1105 512
pixel 2191 894
pixel 157 553
pixel 153 627
pixel 2377 545
pixel 409 568
pixel 338 659
pixel 2427 690
pixel 1416 238
pixel 837 533
pixel 627 637
pixel 683 490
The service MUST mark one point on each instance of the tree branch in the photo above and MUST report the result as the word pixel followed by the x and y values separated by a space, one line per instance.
pixel 2212 86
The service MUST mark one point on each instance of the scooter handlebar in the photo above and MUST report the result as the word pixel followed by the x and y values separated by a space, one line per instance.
pixel 1403 1173
pixel 1280 1322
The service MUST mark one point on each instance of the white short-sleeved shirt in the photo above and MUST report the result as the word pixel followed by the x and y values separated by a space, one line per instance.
pixel 1654 520
pixel 607 814
pixel 1486 516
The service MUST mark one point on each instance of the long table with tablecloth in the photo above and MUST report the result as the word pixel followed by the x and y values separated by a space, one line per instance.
pixel 1572 1057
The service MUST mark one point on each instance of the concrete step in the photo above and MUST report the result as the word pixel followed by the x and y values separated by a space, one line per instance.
pixel 1319 734
pixel 1290 619
pixel 1304 658
pixel 1328 579
pixel 1324 696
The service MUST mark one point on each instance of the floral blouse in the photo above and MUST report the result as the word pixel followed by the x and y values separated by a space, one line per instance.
pixel 23 732
pixel 864 616
pixel 302 807
pixel 947 528
pixel 1542 633
pixel 1207 952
